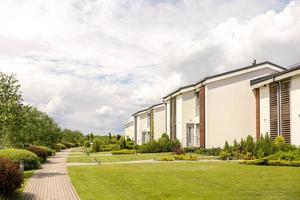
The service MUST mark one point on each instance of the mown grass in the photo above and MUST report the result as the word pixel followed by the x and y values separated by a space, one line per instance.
pixel 192 180
pixel 104 157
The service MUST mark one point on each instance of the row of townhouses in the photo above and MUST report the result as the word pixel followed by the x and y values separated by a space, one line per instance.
pixel 254 100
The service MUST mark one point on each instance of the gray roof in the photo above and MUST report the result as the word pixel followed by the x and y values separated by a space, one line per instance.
pixel 147 108
pixel 225 73
pixel 272 76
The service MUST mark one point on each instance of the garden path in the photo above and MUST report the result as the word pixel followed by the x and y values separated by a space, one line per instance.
pixel 52 182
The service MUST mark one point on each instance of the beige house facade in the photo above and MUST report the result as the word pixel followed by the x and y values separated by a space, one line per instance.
pixel 129 130
pixel 278 105
pixel 149 123
pixel 254 100
pixel 216 109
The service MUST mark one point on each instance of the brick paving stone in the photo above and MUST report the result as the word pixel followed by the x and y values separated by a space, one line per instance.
pixel 52 182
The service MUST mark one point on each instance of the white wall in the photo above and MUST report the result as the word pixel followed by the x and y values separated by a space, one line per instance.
pixel 295 110
pixel 264 110
pixel 129 131
pixel 230 108
pixel 159 121
pixel 142 126
pixel 188 113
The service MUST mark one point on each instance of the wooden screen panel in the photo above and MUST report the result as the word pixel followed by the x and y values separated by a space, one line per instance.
pixel 257 98
pixel 202 116
pixel 285 121
pixel 173 118
pixel 273 90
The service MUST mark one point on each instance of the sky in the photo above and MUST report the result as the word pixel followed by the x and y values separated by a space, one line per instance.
pixel 90 64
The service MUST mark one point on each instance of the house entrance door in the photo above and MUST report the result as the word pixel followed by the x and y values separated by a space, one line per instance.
pixel 190 135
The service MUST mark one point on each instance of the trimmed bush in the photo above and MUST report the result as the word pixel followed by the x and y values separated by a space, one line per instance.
pixel 185 157
pixel 40 152
pixel 31 161
pixel 123 151
pixel 266 161
pixel 58 147
pixel 50 152
pixel 68 145
pixel 11 178
pixel 110 147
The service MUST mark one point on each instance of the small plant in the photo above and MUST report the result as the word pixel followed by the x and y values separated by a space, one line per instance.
pixel 11 178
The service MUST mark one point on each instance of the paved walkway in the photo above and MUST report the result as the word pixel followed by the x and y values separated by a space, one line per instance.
pixel 52 181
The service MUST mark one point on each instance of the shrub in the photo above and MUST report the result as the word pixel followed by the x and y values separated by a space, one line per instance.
pixel 68 145
pixel 110 147
pixel 150 147
pixel 87 144
pixel 41 153
pixel 264 146
pixel 59 146
pixel 165 143
pixel 225 155
pixel 96 146
pixel 50 152
pixel 130 144
pixel 11 178
pixel 279 143
pixel 168 158
pixel 122 143
pixel 249 145
pixel 185 157
pixel 31 161
pixel 123 151
pixel 209 152
pixel 176 147
pixel 266 161
pixel 190 149
pixel 289 156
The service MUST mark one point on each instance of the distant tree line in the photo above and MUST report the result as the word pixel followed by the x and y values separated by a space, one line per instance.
pixel 23 125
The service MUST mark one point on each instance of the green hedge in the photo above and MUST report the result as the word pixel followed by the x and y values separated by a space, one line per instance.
pixel 123 151
pixel 31 161
pixel 50 152
pixel 41 153
pixel 265 161
pixel 59 146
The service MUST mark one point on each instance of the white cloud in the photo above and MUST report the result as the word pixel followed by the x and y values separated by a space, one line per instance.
pixel 104 110
pixel 91 64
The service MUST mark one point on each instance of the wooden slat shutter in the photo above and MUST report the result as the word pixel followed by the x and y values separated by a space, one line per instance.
pixel 285 121
pixel 173 118
pixel 273 110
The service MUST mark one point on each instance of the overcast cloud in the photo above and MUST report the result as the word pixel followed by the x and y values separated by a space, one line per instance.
pixel 91 64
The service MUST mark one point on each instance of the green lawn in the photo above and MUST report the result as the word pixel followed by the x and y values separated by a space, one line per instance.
pixel 105 157
pixel 187 180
